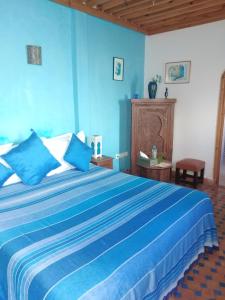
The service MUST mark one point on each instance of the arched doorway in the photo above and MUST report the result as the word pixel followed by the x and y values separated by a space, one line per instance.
pixel 219 131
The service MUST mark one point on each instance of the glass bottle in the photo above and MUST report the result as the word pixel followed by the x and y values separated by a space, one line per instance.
pixel 154 152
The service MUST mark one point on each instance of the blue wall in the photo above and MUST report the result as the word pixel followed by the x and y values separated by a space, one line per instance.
pixel 31 96
pixel 73 89
pixel 103 106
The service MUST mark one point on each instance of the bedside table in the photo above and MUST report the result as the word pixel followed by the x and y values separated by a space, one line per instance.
pixel 104 161
pixel 156 173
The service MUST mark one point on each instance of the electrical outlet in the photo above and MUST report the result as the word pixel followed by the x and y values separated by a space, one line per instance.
pixel 121 155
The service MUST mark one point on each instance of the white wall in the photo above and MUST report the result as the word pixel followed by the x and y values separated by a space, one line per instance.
pixel 197 102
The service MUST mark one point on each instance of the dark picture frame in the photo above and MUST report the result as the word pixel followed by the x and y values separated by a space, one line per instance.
pixel 118 68
pixel 34 56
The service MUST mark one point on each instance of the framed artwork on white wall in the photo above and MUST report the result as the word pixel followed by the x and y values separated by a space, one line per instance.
pixel 178 72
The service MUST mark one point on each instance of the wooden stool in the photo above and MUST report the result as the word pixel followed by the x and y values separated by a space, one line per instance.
pixel 194 165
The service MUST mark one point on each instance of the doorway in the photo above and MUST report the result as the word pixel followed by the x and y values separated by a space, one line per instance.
pixel 219 161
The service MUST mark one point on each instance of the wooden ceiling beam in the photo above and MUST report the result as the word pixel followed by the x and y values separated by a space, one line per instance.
pixel 135 6
pixel 136 10
pixel 96 3
pixel 143 16
pixel 179 11
pixel 100 2
pixel 175 7
pixel 208 18
pixel 126 6
pixel 116 3
pixel 98 13
pixel 185 17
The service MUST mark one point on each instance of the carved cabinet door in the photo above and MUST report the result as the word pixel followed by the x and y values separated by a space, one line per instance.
pixel 152 124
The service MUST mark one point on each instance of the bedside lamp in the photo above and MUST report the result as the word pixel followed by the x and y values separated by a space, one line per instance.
pixel 95 142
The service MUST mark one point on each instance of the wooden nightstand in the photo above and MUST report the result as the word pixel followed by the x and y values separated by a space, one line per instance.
pixel 104 161
pixel 156 173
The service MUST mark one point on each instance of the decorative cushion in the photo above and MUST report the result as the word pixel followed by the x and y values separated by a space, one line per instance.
pixel 3 150
pixel 5 173
pixel 31 160
pixel 78 154
pixel 57 146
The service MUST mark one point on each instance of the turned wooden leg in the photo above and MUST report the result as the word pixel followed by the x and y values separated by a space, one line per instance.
pixel 202 175
pixel 195 182
pixel 177 176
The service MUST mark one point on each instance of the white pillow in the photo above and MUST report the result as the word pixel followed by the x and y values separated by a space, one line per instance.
pixel 57 146
pixel 12 179
pixel 81 136
pixel 4 149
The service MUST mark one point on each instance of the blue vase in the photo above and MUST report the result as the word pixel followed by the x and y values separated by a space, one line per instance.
pixel 152 89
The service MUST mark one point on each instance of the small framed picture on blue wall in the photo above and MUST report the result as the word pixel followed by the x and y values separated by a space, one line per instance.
pixel 34 55
pixel 118 68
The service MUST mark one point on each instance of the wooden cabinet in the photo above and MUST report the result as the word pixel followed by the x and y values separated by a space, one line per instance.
pixel 152 124
pixel 104 161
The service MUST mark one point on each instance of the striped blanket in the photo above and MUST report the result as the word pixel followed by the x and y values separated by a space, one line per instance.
pixel 99 235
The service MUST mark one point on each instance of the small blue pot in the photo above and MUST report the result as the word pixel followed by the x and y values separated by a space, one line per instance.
pixel 152 89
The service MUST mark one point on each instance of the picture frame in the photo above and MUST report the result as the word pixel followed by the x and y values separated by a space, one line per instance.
pixel 178 72
pixel 34 56
pixel 118 68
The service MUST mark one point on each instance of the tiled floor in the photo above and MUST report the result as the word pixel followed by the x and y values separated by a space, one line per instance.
pixel 206 278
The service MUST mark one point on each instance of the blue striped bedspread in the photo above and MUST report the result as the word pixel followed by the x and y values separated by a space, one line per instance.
pixel 99 235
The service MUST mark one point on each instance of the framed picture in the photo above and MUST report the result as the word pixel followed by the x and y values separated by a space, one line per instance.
pixel 177 72
pixel 118 68
pixel 34 55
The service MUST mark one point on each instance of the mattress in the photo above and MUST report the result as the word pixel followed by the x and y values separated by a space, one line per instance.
pixel 98 235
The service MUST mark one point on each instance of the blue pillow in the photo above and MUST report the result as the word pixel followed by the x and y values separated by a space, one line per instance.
pixel 31 160
pixel 5 173
pixel 78 154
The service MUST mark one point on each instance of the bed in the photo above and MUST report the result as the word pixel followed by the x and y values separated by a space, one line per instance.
pixel 99 234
